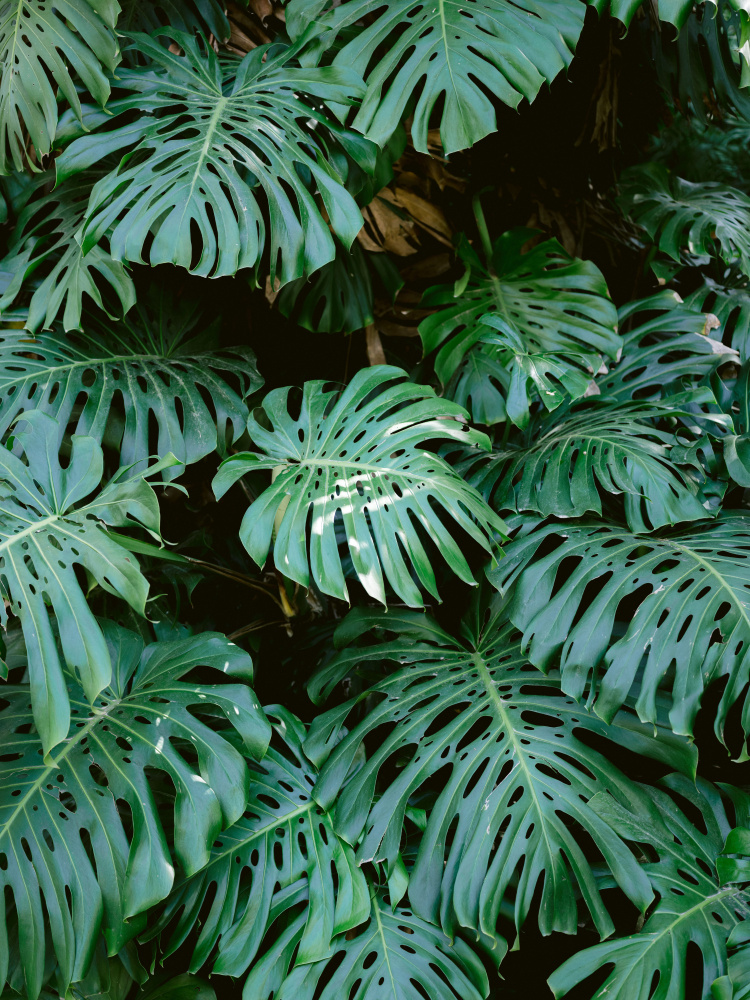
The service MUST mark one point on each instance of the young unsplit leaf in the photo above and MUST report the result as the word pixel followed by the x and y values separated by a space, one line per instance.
pixel 681 596
pixel 46 531
pixel 443 53
pixel 45 242
pixel 694 908
pixel 555 304
pixel 519 782
pixel 355 459
pixel 44 45
pixel 283 836
pixel 54 811
pixel 685 218
pixel 395 955
pixel 223 163
pixel 602 448
pixel 80 379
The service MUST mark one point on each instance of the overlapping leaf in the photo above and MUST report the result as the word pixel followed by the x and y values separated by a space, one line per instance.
pixel 44 45
pixel 396 955
pixel 694 908
pixel 71 862
pixel 52 520
pixel 681 598
pixel 443 53
pixel 149 372
pixel 284 836
pixel 515 777
pixel 609 448
pixel 223 163
pixel 355 459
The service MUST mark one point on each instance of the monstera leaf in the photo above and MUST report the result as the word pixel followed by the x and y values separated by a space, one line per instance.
pixel 736 984
pixel 71 863
pixel 207 16
pixel 44 44
pixel 666 352
pixel 82 380
pixel 46 532
pixel 224 163
pixel 283 836
pixel 555 304
pixel 673 11
pixel 45 243
pixel 353 462
pixel 443 54
pixel 516 775
pixel 730 303
pixel 395 955
pixel 684 218
pixel 680 599
pixel 604 447
pixel 694 908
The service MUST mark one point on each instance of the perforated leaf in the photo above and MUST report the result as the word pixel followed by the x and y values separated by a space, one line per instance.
pixel 44 45
pixel 673 11
pixel 74 863
pixel 45 246
pixel 681 599
pixel 46 532
pixel 395 955
pixel 513 775
pixel 224 163
pixel 283 836
pixel 443 53
pixel 153 373
pixel 602 448
pixel 693 907
pixel 355 459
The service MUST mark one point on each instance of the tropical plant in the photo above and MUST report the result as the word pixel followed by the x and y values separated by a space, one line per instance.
pixel 374 530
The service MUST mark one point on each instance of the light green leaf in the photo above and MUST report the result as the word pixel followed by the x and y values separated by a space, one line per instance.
pixel 355 459
pixel 62 807
pixel 44 45
pixel 686 610
pixel 519 781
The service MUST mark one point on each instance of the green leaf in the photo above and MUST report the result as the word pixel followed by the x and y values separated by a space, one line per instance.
pixel 605 447
pixel 673 11
pixel 206 16
pixel 282 837
pixel 395 955
pixel 736 984
pixel 182 987
pixel 737 446
pixel 45 533
pixel 693 908
pixel 45 243
pixel 224 163
pixel 440 53
pixel 554 315
pixel 685 218
pixel 354 460
pixel 54 811
pixel 83 379
pixel 730 304
pixel 679 598
pixel 667 352
pixel 44 45
pixel 517 789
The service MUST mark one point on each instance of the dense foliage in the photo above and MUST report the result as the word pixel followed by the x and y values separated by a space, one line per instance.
pixel 374 527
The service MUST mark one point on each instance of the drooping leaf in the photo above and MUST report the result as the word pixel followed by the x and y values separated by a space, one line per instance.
pixel 555 304
pixel 442 53
pixel 52 520
pixel 45 245
pixel 609 448
pixel 223 164
pixel 72 864
pixel 684 218
pixel 44 45
pixel 283 836
pixel 694 908
pixel 152 372
pixel 673 11
pixel 355 459
pixel 396 955
pixel 515 775
pixel 730 303
pixel 680 598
